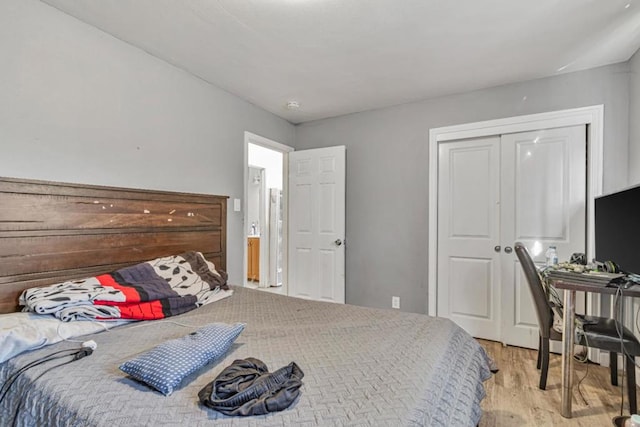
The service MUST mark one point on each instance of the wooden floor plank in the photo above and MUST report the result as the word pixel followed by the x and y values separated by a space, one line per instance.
pixel 514 399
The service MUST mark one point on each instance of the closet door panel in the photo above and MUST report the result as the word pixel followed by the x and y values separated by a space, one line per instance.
pixel 469 281
pixel 543 203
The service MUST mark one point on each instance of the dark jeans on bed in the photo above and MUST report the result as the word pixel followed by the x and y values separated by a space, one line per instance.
pixel 247 388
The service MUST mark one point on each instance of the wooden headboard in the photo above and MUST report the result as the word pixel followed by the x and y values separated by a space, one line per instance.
pixel 52 232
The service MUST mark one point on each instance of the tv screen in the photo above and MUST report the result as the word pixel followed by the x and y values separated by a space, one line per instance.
pixel 617 221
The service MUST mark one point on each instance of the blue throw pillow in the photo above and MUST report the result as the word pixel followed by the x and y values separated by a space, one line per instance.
pixel 165 366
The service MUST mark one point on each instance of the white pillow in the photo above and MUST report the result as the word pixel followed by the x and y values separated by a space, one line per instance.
pixel 21 332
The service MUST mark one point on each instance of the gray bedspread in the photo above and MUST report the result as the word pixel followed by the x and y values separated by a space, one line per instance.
pixel 363 367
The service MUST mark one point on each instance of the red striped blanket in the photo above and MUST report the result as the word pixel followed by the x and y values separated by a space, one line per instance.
pixel 151 290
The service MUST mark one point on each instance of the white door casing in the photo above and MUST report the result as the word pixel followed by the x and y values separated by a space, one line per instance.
pixel 592 116
pixel 317 224
pixel 251 138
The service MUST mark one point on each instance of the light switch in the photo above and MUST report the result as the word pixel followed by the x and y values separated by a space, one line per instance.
pixel 236 205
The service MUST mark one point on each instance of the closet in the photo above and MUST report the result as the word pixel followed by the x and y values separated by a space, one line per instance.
pixel 492 192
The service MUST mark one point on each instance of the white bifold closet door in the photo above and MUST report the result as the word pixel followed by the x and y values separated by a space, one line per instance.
pixel 492 192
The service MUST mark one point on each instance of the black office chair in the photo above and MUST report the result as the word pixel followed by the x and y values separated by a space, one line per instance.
pixel 599 332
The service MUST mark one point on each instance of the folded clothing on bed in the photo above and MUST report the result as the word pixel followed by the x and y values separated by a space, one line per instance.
pixel 150 290
pixel 247 388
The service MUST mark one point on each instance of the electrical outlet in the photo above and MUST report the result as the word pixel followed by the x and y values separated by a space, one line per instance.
pixel 395 302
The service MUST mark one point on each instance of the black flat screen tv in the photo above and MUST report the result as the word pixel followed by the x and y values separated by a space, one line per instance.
pixel 617 223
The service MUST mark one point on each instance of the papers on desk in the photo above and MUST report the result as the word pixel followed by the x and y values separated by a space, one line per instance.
pixel 591 277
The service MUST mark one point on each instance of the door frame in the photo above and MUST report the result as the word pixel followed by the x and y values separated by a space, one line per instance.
pixel 252 138
pixel 592 116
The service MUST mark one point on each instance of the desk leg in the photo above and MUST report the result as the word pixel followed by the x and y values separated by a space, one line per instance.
pixel 567 351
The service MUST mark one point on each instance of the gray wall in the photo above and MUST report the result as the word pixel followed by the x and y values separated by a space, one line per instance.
pixel 78 105
pixel 634 119
pixel 387 170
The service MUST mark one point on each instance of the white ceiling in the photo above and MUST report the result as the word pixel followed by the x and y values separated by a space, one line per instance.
pixel 342 56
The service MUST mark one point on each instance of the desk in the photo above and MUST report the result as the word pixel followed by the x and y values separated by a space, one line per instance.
pixel 568 326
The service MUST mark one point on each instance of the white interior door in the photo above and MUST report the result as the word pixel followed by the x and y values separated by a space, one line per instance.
pixel 263 230
pixel 468 230
pixel 543 203
pixel 317 224
pixel 492 192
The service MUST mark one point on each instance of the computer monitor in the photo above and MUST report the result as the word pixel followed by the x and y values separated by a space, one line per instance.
pixel 617 224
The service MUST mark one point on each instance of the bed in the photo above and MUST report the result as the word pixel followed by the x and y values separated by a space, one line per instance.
pixel 362 366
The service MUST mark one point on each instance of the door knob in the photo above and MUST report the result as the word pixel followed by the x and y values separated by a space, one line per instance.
pixel 497 248
pixel 508 249
pixel 338 242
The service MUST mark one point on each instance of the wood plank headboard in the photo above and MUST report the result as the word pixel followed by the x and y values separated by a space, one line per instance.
pixel 52 232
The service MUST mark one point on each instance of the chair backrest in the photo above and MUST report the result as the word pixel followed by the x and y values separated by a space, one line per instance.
pixel 543 308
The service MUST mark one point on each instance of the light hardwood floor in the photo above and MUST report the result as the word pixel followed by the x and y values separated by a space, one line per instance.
pixel 514 399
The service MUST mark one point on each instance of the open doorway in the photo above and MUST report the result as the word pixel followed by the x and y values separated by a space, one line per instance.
pixel 265 214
